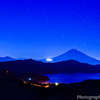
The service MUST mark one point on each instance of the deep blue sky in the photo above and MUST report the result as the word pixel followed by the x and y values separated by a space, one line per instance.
pixel 47 28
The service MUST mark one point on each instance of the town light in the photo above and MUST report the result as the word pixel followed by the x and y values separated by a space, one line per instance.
pixel 30 79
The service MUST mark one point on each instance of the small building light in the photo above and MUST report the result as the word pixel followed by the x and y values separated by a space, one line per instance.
pixel 24 82
pixel 30 79
pixel 7 71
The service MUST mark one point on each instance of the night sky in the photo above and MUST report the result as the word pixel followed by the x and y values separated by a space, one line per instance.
pixel 47 28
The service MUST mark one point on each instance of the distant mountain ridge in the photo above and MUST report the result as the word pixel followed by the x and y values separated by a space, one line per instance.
pixel 71 54
pixel 38 67
pixel 75 55
pixel 7 58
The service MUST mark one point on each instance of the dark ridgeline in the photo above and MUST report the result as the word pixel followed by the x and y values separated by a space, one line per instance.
pixel 72 66
pixel 75 55
pixel 37 67
pixel 27 66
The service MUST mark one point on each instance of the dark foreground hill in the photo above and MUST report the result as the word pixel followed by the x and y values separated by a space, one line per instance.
pixel 14 89
pixel 24 76
pixel 27 66
pixel 37 67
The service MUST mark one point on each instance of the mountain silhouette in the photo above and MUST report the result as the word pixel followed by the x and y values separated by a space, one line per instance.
pixel 75 55
pixel 7 58
pixel 72 66
pixel 37 67
pixel 27 66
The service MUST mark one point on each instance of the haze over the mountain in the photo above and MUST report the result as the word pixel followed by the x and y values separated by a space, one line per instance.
pixel 75 55
pixel 7 58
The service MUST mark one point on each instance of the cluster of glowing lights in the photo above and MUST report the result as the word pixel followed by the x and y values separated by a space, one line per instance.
pixel 46 86
pixel 49 60
pixel 46 82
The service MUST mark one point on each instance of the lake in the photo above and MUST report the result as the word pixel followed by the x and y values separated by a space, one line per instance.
pixel 71 78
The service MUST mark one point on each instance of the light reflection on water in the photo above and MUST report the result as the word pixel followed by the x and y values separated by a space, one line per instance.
pixel 71 78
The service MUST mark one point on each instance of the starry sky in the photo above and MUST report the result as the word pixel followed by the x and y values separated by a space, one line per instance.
pixel 47 28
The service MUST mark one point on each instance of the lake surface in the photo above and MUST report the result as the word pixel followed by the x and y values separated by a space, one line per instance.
pixel 71 78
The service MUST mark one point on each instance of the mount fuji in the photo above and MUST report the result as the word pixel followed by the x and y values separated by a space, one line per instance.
pixel 75 55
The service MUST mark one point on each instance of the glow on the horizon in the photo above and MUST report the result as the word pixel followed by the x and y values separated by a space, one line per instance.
pixel 49 60
pixel 56 84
